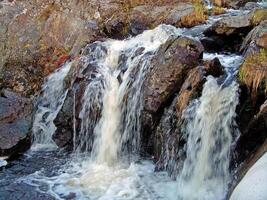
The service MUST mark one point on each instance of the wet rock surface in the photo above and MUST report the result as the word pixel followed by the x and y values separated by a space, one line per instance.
pixel 168 71
pixel 169 139
pixel 15 123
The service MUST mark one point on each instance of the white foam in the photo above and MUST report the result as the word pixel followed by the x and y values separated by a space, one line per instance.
pixel 3 161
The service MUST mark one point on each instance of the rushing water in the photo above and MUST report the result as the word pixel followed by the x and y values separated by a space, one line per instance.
pixel 110 168
pixel 210 125
pixel 49 104
pixel 115 89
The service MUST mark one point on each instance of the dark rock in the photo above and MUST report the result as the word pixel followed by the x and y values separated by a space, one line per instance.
pixel 79 78
pixel 236 4
pixel 252 137
pixel 214 67
pixel 169 140
pixel 227 33
pixel 169 69
pixel 256 39
pixel 15 123
pixel 250 6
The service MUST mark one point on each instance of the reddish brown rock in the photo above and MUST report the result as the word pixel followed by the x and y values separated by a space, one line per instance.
pixel 15 123
pixel 169 140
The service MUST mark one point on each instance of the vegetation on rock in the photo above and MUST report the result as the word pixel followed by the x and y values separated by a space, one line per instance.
pixel 253 72
pixel 198 16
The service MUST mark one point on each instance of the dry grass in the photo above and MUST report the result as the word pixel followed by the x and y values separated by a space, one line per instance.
pixel 198 16
pixel 217 10
pixel 253 72
pixel 259 15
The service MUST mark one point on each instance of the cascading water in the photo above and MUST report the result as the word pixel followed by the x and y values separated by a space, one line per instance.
pixel 117 89
pixel 210 125
pixel 109 129
pixel 49 104
pixel 109 117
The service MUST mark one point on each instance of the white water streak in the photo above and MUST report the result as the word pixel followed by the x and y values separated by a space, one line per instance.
pixel 50 102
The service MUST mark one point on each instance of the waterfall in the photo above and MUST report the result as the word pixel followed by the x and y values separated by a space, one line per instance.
pixel 49 103
pixel 116 89
pixel 210 125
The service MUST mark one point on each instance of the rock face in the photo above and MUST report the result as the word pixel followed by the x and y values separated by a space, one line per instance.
pixel 169 139
pixel 43 34
pixel 256 39
pixel 169 69
pixel 251 113
pixel 227 33
pixel 15 123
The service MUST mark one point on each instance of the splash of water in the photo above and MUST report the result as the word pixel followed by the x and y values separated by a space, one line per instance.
pixel 210 125
pixel 117 90
pixel 49 104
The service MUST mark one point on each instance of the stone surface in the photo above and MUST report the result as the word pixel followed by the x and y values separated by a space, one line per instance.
pixel 15 123
pixel 257 38
pixel 229 25
pixel 169 140
pixel 252 137
pixel 214 67
pixel 43 34
pixel 169 69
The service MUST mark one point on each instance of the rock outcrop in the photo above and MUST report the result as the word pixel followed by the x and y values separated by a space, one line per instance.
pixel 15 123
pixel 251 112
pixel 228 33
pixel 38 36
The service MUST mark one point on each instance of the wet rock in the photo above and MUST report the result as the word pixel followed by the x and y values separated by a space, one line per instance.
pixel 256 39
pixel 78 80
pixel 253 136
pixel 237 24
pixel 228 33
pixel 64 122
pixel 169 69
pixel 44 34
pixel 236 4
pixel 229 25
pixel 214 67
pixel 15 123
pixel 250 6
pixel 169 140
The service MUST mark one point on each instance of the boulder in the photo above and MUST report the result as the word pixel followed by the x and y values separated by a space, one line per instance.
pixel 227 33
pixel 213 67
pixel 229 25
pixel 256 39
pixel 168 71
pixel 169 67
pixel 169 140
pixel 252 137
pixel 15 123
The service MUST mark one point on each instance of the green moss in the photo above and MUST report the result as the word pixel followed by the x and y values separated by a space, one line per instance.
pixel 259 15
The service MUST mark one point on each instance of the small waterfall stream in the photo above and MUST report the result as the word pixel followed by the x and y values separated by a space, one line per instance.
pixel 210 125
pixel 110 168
pixel 49 104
